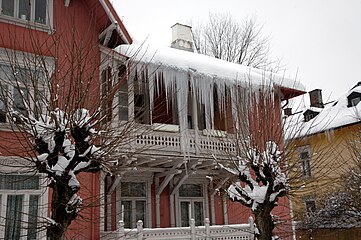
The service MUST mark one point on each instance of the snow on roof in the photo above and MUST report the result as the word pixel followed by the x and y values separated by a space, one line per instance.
pixel 199 64
pixel 332 116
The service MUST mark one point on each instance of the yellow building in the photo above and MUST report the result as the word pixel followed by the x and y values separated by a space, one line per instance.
pixel 320 156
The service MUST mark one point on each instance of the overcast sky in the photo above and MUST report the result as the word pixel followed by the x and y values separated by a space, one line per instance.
pixel 319 39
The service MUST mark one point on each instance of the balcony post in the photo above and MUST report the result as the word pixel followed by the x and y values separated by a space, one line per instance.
pixel 208 230
pixel 140 230
pixel 120 230
pixel 251 226
pixel 192 224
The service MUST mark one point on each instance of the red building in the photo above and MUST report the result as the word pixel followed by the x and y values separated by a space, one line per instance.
pixel 184 104
pixel 49 30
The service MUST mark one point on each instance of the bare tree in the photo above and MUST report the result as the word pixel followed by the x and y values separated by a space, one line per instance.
pixel 257 169
pixel 62 120
pixel 224 37
pixel 266 170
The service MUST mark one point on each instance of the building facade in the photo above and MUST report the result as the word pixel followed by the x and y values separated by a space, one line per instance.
pixel 323 159
pixel 38 38
pixel 182 102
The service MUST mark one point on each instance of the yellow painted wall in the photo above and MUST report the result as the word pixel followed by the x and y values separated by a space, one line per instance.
pixel 330 158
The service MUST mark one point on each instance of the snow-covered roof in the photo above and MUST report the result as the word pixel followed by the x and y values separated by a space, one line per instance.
pixel 205 66
pixel 333 116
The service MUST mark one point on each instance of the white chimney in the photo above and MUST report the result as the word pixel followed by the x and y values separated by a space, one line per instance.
pixel 182 37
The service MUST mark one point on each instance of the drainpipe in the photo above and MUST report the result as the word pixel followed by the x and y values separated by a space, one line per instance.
pixel 112 19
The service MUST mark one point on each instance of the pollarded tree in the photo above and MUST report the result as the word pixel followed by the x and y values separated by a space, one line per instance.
pixel 265 169
pixel 258 166
pixel 222 36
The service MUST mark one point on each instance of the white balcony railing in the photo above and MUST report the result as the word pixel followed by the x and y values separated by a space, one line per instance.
pixel 197 142
pixel 207 232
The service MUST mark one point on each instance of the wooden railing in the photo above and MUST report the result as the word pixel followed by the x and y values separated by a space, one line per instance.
pixel 197 143
pixel 207 232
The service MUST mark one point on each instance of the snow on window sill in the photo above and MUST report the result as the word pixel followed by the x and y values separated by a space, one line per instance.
pixel 165 127
pixel 26 23
pixel 214 133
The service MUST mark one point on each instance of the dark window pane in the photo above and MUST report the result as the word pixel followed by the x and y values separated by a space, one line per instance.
pixel 190 190
pixel 133 189
pixel 185 214
pixel 24 9
pixel 123 99
pixel 304 155
pixel 7 7
pixel 123 113
pixel 21 96
pixel 40 11
pixel 3 97
pixel 127 214
pixel 33 216
pixel 140 211
pixel 198 213
pixel 19 182
pixel 14 209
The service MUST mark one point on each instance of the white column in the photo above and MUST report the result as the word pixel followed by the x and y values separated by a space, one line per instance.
pixel 149 204
pixel 157 204
pixel 171 205
pixel 207 201
pixel 102 202
pixel 109 212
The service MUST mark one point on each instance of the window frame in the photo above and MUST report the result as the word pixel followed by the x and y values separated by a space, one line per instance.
pixel 146 198
pixel 47 26
pixel 305 163
pixel 192 201
pixel 9 58
pixel 354 101
pixel 41 192
pixel 114 61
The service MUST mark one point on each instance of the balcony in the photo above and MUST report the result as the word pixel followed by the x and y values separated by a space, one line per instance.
pixel 167 139
pixel 207 232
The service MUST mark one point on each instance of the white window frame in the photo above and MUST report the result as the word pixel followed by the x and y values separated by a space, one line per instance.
pixel 305 163
pixel 203 199
pixel 355 101
pixel 48 26
pixel 43 199
pixel 148 209
pixel 22 60
pixel 310 199
pixel 112 59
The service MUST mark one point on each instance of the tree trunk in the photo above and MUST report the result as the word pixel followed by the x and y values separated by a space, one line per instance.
pixel 62 217
pixel 264 221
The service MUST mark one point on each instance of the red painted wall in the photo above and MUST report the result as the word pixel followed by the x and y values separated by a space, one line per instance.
pixel 73 26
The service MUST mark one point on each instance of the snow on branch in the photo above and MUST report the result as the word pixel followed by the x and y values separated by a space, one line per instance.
pixel 260 177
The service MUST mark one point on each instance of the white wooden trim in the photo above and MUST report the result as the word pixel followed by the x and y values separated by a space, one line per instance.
pixel 102 201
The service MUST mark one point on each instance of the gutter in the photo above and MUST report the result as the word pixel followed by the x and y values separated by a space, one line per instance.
pixel 114 21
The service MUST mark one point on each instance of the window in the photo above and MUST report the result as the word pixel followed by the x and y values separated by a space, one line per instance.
pixel 3 103
pixel 191 204
pixel 17 84
pixel 107 100
pixel 133 195
pixel 37 11
pixel 19 209
pixel 123 95
pixel 305 161
pixel 355 101
pixel 310 206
